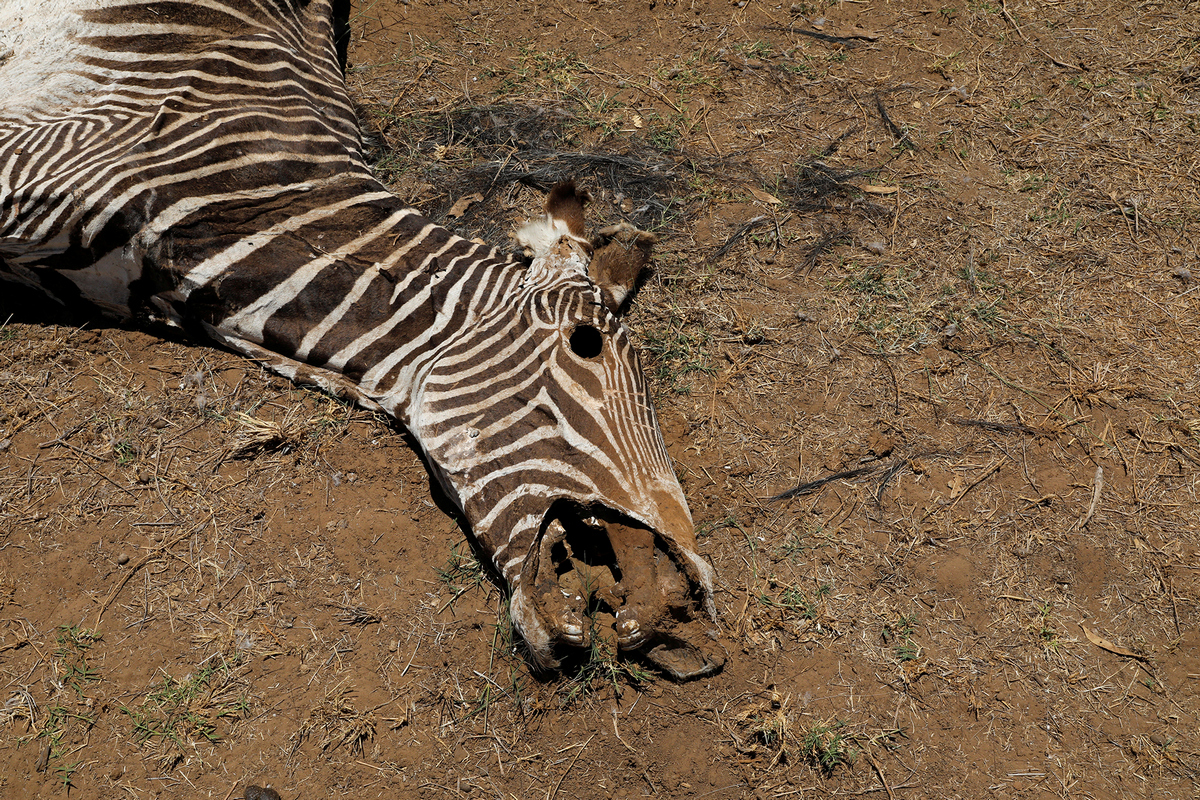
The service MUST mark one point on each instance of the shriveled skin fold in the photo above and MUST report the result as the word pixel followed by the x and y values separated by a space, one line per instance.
pixel 199 164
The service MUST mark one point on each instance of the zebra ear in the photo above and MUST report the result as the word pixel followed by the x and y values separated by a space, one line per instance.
pixel 565 204
pixel 620 255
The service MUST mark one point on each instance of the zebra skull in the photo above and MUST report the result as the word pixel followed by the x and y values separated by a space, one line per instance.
pixel 557 460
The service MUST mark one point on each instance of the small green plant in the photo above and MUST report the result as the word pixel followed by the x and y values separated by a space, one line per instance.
pixel 73 643
pixel 945 65
pixel 462 570
pixel 771 731
pixel 794 599
pixel 664 132
pixel 73 673
pixel 124 451
pixel 797 543
pixel 730 520
pixel 1034 182
pixel 66 773
pixel 56 728
pixel 177 713
pixel 754 49
pixel 899 636
pixel 826 746
pixel 869 281
pixel 676 351
pixel 690 75
pixel 601 666
pixel 1044 628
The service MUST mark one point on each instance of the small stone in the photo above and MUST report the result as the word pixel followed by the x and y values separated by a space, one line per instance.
pixel 123 559
pixel 1159 740
pixel 260 793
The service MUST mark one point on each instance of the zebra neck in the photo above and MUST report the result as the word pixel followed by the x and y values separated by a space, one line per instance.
pixel 340 279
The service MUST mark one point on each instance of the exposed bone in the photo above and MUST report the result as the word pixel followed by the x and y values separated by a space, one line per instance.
pixel 562 600
pixel 648 610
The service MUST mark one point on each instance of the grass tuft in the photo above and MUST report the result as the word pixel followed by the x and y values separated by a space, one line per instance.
pixel 177 714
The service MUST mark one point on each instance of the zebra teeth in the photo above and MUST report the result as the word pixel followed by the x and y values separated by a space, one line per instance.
pixel 630 635
pixel 571 625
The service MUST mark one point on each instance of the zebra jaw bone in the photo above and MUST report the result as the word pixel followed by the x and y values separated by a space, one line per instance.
pixel 609 577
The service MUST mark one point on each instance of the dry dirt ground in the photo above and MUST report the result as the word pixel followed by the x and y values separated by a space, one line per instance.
pixel 930 271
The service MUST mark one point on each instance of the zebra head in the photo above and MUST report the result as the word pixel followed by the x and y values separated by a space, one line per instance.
pixel 538 423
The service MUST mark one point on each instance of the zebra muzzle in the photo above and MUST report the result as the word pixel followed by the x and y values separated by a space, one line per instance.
pixel 602 576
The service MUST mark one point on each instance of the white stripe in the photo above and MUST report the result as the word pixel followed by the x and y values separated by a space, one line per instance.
pixel 211 267
pixel 250 320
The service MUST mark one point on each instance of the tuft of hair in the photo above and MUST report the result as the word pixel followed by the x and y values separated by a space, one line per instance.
pixel 529 625
pixel 539 236
pixel 564 217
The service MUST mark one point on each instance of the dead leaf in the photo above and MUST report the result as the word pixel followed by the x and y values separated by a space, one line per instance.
pixel 762 196
pixel 1105 644
pixel 638 122
pixel 869 189
pixel 462 204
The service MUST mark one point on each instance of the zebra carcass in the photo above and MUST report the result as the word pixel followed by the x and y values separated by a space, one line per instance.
pixel 199 164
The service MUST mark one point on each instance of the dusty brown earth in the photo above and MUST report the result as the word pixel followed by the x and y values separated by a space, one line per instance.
pixel 941 258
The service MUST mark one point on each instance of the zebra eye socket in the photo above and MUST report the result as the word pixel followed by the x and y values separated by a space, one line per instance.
pixel 586 341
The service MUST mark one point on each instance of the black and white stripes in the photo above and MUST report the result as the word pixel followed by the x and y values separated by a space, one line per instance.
pixel 198 163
